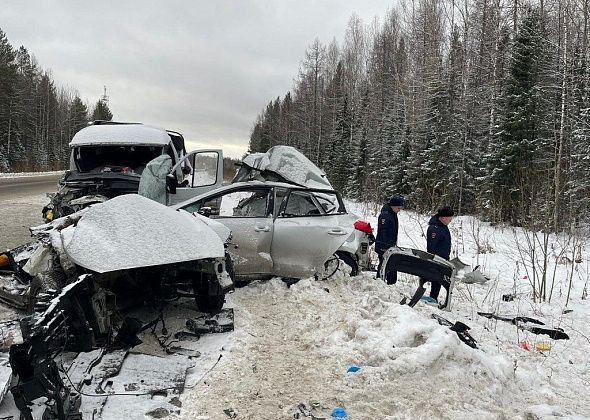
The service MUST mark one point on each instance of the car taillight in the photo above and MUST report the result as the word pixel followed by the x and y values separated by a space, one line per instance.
pixel 363 226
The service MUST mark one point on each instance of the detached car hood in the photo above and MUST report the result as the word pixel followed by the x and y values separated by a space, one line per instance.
pixel 282 163
pixel 131 231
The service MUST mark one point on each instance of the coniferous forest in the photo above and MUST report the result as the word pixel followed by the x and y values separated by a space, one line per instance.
pixel 37 118
pixel 480 104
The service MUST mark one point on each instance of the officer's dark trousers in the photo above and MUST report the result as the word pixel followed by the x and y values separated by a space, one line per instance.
pixel 434 289
pixel 391 276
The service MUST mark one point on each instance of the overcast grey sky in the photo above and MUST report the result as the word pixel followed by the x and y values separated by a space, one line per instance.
pixel 204 68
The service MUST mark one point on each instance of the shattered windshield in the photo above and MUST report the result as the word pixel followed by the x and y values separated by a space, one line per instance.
pixel 135 158
pixel 330 203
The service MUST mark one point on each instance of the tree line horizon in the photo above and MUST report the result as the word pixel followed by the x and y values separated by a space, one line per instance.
pixel 483 105
pixel 37 118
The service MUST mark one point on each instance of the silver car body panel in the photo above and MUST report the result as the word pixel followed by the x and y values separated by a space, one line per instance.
pixel 250 244
pixel 301 245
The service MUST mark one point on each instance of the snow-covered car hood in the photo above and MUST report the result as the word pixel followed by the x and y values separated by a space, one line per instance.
pixel 282 163
pixel 131 231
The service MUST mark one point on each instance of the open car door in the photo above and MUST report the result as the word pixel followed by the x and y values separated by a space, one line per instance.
pixel 203 171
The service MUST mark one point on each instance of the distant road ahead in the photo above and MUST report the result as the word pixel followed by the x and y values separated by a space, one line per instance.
pixel 26 186
pixel 21 201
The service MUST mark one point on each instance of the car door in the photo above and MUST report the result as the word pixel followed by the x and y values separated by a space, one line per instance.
pixel 204 172
pixel 247 212
pixel 307 232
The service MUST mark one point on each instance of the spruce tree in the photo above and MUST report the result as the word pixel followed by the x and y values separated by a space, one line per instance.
pixel 101 111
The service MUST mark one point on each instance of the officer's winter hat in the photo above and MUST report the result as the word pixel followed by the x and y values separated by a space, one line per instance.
pixel 396 201
pixel 445 212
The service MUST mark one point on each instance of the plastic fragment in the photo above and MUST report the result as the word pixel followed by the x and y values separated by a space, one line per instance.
pixel 339 413
pixel 353 369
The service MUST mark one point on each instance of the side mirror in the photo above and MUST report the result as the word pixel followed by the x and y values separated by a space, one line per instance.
pixel 205 211
pixel 171 183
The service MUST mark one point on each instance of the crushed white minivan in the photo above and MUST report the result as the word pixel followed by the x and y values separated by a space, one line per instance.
pixel 107 159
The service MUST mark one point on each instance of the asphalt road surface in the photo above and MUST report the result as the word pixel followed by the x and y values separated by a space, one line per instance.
pixel 21 201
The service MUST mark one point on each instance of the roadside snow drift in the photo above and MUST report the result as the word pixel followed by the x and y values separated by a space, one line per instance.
pixel 294 345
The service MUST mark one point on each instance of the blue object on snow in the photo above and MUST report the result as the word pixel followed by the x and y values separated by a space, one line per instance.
pixel 353 369
pixel 339 413
pixel 428 299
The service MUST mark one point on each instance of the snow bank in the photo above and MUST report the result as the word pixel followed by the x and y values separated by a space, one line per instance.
pixel 295 344
pixel 28 174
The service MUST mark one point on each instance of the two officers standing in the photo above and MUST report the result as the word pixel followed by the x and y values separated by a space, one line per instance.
pixel 438 236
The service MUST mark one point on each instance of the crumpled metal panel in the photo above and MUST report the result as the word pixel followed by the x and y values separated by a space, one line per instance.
pixel 131 231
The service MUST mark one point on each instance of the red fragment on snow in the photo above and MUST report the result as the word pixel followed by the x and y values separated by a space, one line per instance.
pixel 525 346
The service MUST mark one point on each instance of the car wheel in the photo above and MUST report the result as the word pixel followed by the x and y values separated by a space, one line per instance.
pixel 349 261
pixel 229 267
pixel 210 304
pixel 330 268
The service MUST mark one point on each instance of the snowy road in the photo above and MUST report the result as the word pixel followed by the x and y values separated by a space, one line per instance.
pixel 21 201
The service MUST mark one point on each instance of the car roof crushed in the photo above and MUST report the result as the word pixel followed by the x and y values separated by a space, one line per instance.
pixel 285 163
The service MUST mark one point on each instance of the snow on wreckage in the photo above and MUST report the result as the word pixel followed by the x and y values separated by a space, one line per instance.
pixel 100 279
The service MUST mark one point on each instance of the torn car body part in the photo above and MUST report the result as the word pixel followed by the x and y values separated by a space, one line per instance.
pixel 283 164
pixel 529 324
pixel 459 328
pixel 428 267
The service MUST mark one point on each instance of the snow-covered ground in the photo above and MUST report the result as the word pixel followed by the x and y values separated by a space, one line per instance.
pixel 28 174
pixel 294 345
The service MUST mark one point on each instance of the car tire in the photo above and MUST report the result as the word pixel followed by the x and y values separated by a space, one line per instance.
pixel 229 267
pixel 349 261
pixel 210 304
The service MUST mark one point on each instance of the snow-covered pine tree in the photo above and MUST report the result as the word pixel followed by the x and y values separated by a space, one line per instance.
pixel 101 111
pixel 513 159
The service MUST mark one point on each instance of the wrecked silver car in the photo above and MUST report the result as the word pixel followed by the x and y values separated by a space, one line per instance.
pixel 108 158
pixel 97 282
pixel 129 243
pixel 286 219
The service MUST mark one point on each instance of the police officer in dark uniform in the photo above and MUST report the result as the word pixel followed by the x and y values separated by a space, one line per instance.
pixel 387 229
pixel 438 240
